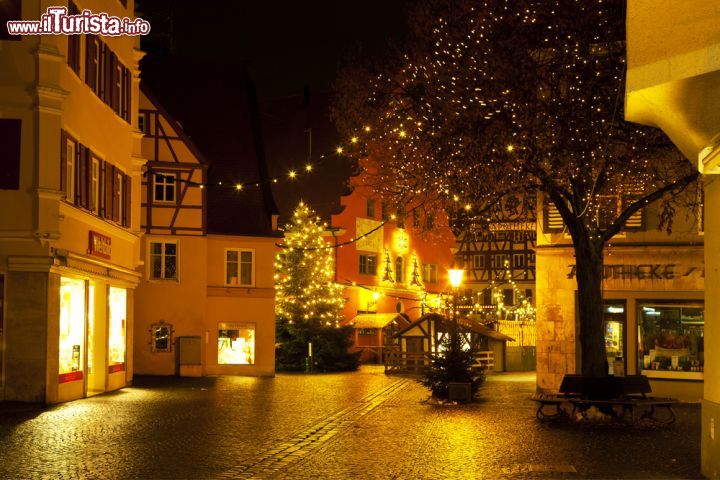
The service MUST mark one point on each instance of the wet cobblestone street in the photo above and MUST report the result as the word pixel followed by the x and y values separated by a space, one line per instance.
pixel 336 426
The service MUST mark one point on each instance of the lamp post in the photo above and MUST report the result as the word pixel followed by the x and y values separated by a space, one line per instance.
pixel 456 278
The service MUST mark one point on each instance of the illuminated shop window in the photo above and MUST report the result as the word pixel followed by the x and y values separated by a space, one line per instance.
pixel 236 344
pixel 614 328
pixel 671 337
pixel 161 337
pixel 117 302
pixel 239 267
pixel 72 325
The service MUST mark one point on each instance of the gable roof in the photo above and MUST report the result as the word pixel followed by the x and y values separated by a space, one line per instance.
pixel 463 322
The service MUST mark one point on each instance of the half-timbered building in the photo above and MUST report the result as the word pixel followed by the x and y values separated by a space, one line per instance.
pixel 206 300
pixel 499 261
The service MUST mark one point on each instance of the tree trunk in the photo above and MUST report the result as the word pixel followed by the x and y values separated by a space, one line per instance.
pixel 589 275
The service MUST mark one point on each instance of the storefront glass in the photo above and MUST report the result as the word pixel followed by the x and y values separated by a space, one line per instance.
pixel 671 337
pixel 72 328
pixel 614 328
pixel 236 344
pixel 117 302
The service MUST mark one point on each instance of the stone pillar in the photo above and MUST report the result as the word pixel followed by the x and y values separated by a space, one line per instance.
pixel 26 336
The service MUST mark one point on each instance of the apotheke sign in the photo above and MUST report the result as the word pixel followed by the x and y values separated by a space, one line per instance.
pixel 648 271
pixel 100 245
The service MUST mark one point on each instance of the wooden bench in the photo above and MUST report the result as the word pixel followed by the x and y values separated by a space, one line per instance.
pixel 606 394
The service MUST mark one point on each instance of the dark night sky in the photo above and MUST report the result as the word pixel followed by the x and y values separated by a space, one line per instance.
pixel 196 53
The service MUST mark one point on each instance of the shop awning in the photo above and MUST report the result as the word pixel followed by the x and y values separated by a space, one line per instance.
pixel 377 320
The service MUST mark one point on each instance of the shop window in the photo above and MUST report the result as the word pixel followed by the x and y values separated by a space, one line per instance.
pixel 72 328
pixel 117 310
pixel 429 272
pixel 164 188
pixel 163 260
pixel 161 337
pixel 671 338
pixel 614 321
pixel 239 267
pixel 236 344
pixel 368 264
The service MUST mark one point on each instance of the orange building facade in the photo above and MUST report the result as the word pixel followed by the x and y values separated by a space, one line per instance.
pixel 205 304
pixel 393 262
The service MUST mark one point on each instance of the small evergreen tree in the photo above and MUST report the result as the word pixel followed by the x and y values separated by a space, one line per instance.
pixel 453 364
pixel 308 301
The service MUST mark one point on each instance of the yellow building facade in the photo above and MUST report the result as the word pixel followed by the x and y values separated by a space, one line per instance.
pixel 69 222
pixel 654 309
pixel 673 82
pixel 205 305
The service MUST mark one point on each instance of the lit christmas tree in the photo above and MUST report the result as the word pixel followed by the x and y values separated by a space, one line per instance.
pixel 308 301
pixel 304 287
pixel 517 96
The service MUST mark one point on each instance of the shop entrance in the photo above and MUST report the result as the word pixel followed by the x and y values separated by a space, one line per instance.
pixel 96 349
pixel 614 322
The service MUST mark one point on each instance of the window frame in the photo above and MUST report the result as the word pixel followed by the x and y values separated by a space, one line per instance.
pixel 239 251
pixel 164 184
pixel 366 270
pixel 370 208
pixel 429 272
pixel 70 169
pixel 163 255
pixel 94 194
pixel 399 269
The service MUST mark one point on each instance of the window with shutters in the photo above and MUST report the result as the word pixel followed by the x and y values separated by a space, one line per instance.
pixel 553 222
pixel 607 210
pixel 95 185
pixel 119 197
pixel 107 76
pixel 73 53
pixel 239 267
pixel 70 164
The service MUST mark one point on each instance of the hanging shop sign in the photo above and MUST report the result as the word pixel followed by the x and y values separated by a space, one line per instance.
pixel 100 245
pixel 648 271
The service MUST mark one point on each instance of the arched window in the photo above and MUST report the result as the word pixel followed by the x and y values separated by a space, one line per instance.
pixel 399 273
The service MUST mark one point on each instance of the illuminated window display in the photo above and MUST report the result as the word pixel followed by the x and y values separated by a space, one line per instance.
pixel 236 344
pixel 72 326
pixel 117 302
pixel 614 327
pixel 671 337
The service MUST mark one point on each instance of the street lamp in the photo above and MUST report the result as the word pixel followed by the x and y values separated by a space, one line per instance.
pixel 456 278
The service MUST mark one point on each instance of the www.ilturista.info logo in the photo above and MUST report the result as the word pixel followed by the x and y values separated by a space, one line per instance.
pixel 56 21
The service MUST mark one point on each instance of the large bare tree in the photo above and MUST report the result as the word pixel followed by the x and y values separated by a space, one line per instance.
pixel 497 96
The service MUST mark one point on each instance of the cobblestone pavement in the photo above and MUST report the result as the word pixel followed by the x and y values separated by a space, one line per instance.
pixel 335 426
